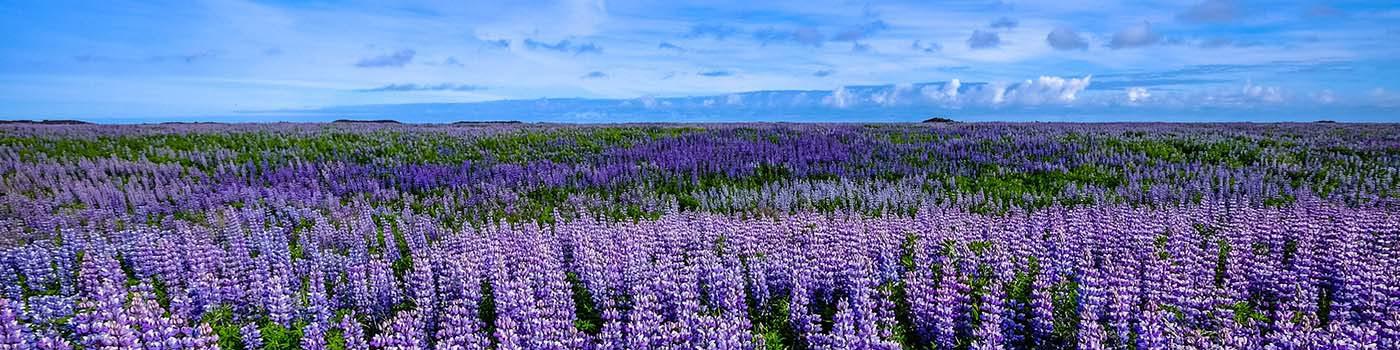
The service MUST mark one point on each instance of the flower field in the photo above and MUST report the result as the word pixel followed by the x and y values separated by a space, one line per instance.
pixel 706 236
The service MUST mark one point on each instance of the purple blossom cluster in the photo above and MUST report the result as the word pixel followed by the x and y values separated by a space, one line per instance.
pixel 738 168
pixel 739 237
pixel 1312 276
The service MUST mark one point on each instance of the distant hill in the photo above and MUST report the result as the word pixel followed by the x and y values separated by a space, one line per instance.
pixel 46 122
pixel 939 120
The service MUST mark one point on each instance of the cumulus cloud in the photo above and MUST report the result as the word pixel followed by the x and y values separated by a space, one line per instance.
pixel 951 88
pixel 716 73
pixel 1261 93
pixel 983 40
pixel 1041 91
pixel 840 98
pixel 1046 89
pixel 1065 38
pixel 945 93
pixel 899 94
pixel 428 87
pixel 395 59
pixel 563 46
pixel 1004 23
pixel 1210 11
pixel 594 75
pixel 802 36
pixel 926 47
pixel 1135 36
pixel 718 32
pixel 1137 94
pixel 862 31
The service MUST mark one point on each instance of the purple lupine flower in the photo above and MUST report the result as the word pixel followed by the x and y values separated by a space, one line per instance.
pixel 252 336
pixel 1091 336
pixel 613 335
pixel 989 334
pixel 201 337
pixel 12 334
pixel 1334 248
pixel 313 337
pixel 459 329
pixel 402 332
pixel 1151 331
pixel 52 342
pixel 1041 308
pixel 352 332
pixel 948 309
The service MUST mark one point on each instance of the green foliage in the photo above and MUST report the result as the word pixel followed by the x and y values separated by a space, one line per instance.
pixel 1222 263
pixel 486 309
pixel 589 317
pixel 1064 298
pixel 335 339
pixel 904 318
pixel 277 337
pixel 772 325
pixel 221 320
pixel 1245 312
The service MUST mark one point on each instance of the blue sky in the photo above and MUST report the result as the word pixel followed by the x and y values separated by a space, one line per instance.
pixel 600 61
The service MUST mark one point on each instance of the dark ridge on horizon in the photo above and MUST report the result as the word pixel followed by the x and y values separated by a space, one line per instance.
pixel 939 120
pixel 46 122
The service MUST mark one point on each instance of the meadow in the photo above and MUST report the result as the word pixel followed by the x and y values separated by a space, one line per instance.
pixel 700 236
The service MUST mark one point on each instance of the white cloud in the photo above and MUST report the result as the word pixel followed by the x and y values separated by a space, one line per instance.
pixel 951 89
pixel 839 98
pixel 1137 94
pixel 1260 93
pixel 948 92
pixel 320 46
pixel 1046 89
pixel 895 96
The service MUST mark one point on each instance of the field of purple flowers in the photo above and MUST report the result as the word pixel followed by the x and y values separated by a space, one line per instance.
pixel 710 236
